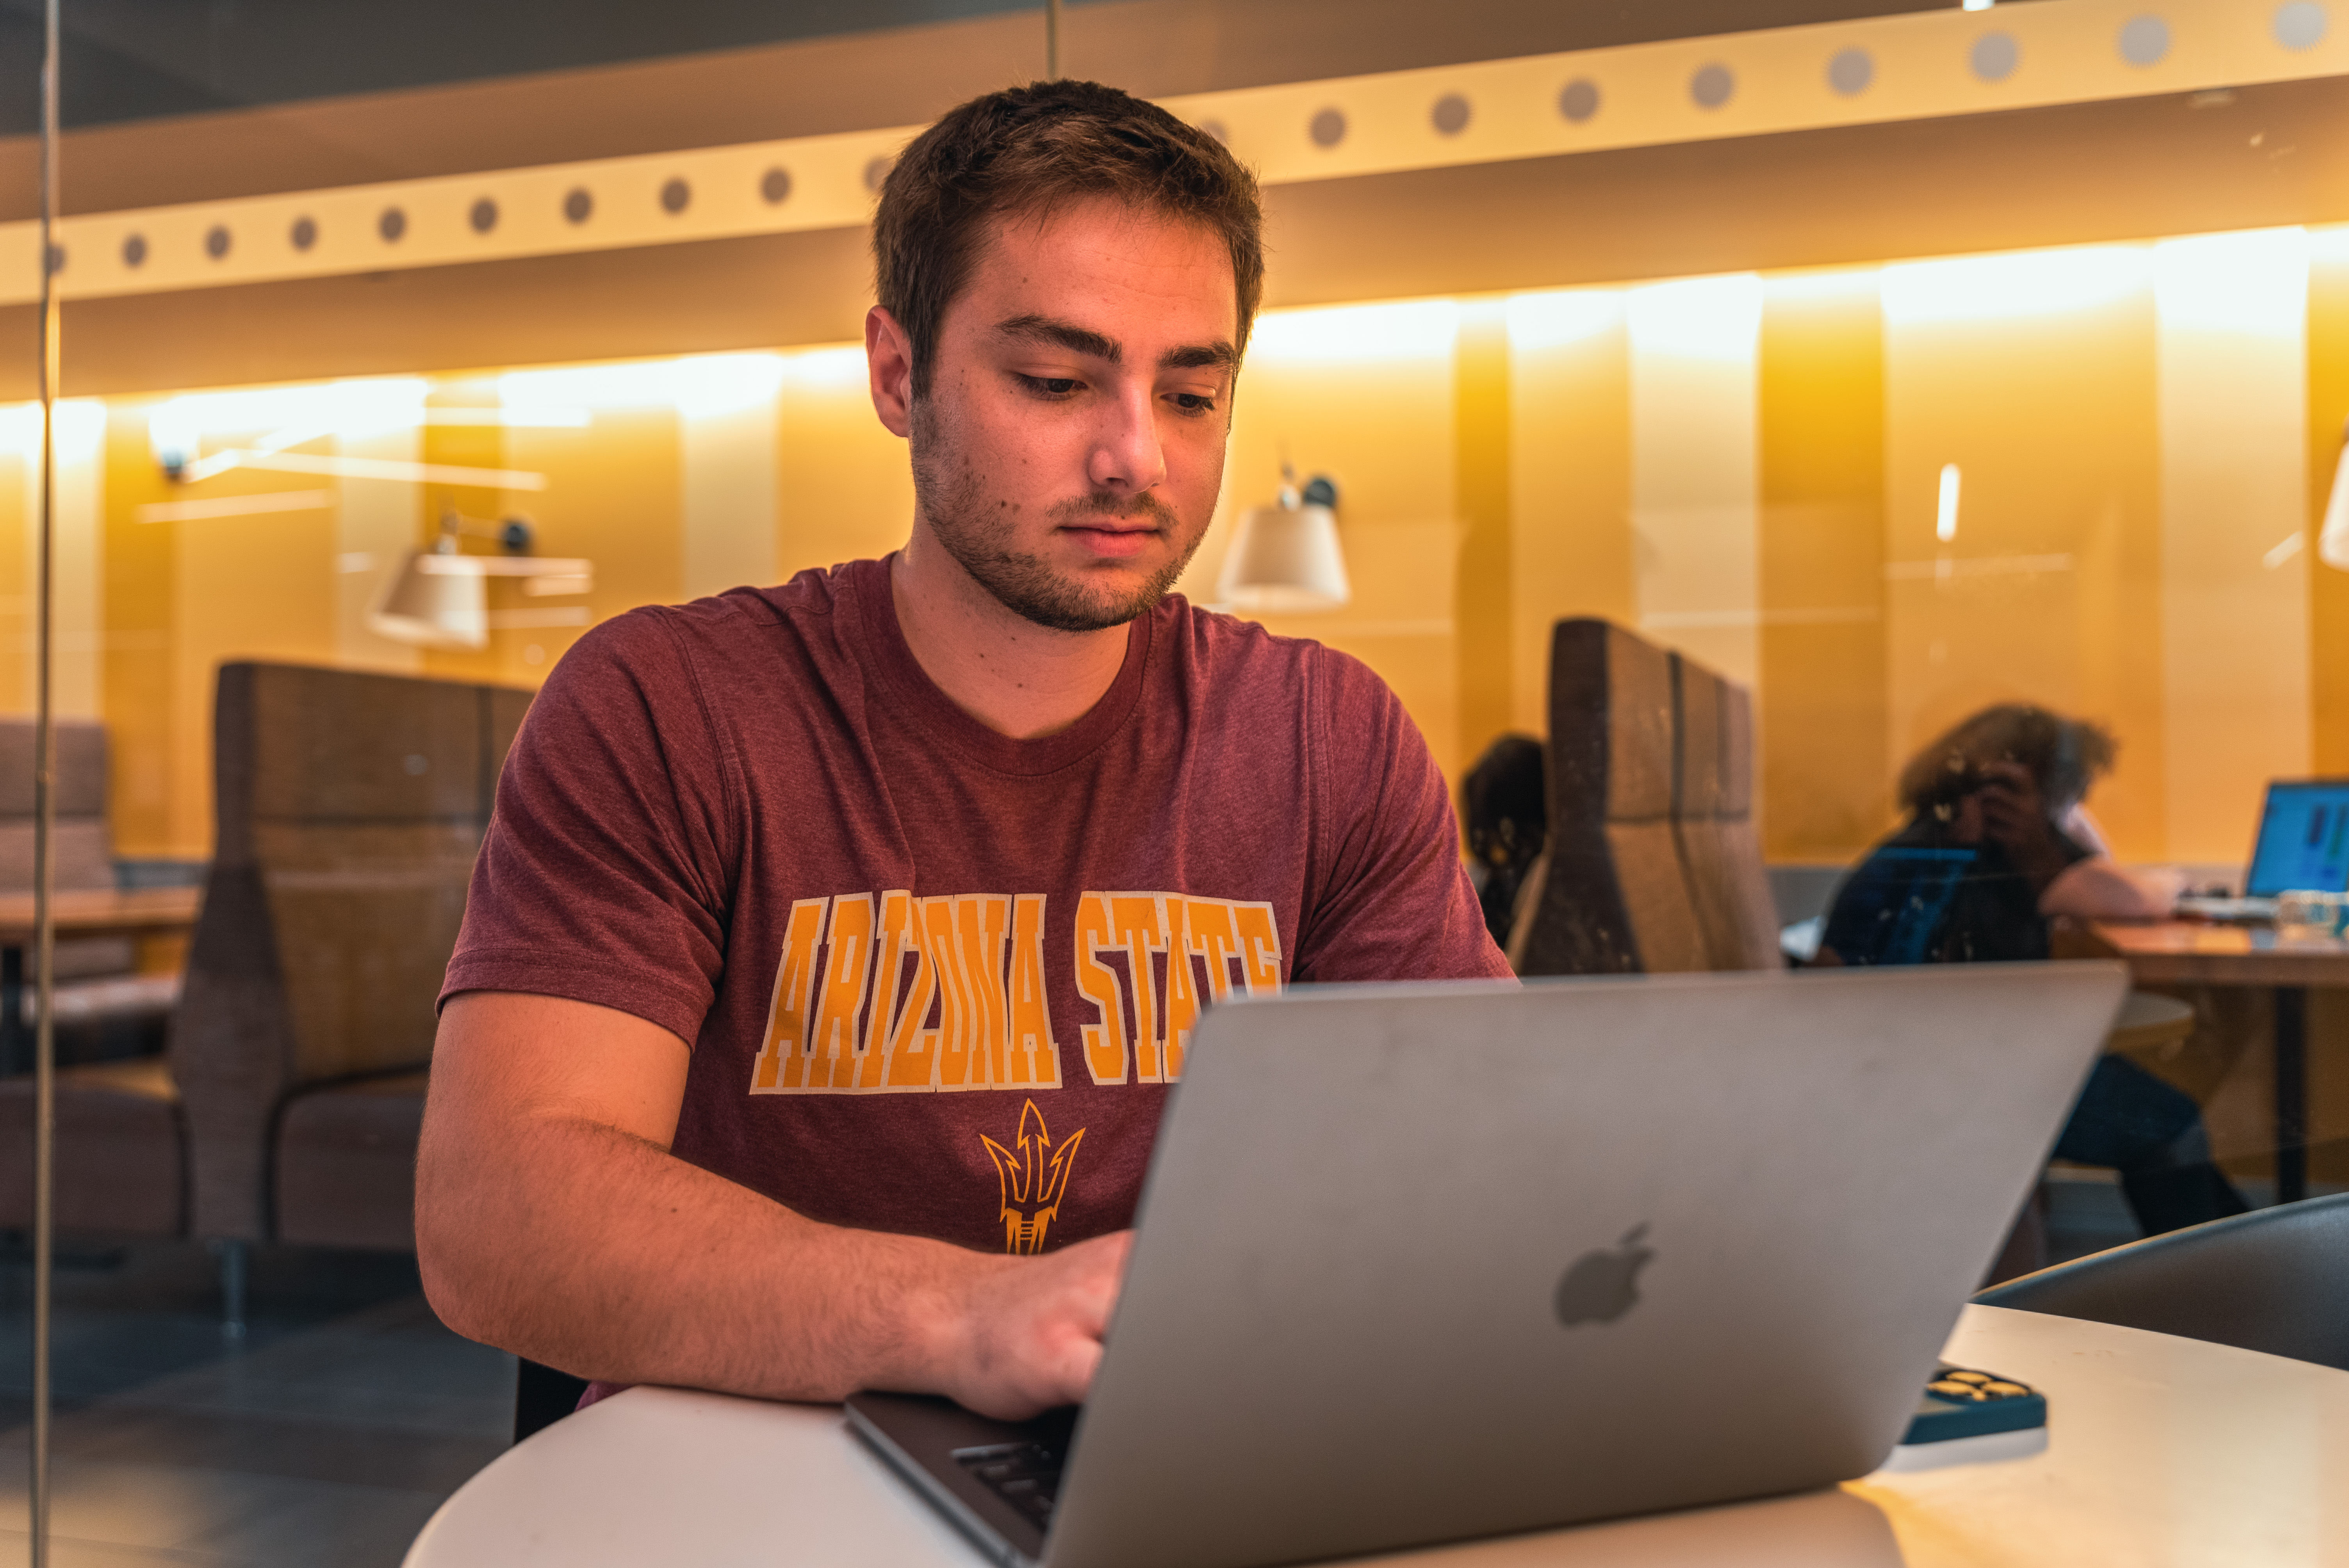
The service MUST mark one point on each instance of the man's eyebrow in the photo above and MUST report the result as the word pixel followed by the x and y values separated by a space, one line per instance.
pixel 1064 334
pixel 1219 354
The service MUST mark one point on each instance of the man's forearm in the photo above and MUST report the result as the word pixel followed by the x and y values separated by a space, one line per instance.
pixel 595 1251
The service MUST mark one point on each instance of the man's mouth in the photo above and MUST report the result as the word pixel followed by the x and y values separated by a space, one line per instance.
pixel 1114 538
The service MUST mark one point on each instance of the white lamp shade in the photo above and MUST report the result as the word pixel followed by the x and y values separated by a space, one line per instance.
pixel 2333 540
pixel 433 609
pixel 1286 561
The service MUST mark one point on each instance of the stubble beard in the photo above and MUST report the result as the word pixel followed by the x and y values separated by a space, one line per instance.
pixel 948 495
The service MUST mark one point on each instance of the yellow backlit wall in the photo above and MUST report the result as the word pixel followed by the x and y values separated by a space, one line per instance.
pixel 1746 467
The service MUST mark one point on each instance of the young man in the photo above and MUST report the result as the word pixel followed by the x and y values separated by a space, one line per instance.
pixel 834 944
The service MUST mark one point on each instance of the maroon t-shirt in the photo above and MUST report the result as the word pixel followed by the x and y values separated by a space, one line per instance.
pixel 936 980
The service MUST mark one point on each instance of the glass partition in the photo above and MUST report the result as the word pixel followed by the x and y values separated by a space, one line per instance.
pixel 1851 401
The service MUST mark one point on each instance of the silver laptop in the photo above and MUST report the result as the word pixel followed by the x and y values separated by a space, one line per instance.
pixel 2303 844
pixel 1421 1263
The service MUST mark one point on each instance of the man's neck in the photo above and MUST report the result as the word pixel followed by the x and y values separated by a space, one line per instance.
pixel 1014 676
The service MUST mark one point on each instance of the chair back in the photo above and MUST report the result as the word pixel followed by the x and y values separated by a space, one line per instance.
pixel 85 850
pixel 349 806
pixel 1611 896
pixel 2275 1280
pixel 1712 820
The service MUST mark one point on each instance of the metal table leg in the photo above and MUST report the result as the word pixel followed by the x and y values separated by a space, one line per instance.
pixel 16 1036
pixel 2291 1093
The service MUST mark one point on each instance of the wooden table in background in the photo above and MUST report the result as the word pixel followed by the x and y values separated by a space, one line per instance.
pixel 2191 953
pixel 148 912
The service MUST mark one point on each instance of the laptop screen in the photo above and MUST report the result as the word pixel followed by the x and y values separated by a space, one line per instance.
pixel 2303 840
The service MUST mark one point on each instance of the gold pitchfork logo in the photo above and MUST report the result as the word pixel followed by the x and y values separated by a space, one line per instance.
pixel 1033 1179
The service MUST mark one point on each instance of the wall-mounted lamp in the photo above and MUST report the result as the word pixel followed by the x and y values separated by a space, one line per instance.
pixel 2333 538
pixel 1288 557
pixel 440 598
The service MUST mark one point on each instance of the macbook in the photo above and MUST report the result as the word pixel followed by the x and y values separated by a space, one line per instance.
pixel 1421 1263
pixel 2302 846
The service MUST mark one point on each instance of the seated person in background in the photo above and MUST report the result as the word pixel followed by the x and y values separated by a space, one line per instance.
pixel 1508 822
pixel 1997 843
pixel 829 961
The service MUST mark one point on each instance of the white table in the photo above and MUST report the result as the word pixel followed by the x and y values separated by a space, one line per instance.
pixel 2160 1452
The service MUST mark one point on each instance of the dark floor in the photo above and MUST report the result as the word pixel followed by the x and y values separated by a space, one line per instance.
pixel 326 1437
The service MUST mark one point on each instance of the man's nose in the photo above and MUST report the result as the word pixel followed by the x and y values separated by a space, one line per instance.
pixel 1126 456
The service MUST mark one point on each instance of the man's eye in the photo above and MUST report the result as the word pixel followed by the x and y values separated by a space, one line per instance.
pixel 1194 402
pixel 1050 385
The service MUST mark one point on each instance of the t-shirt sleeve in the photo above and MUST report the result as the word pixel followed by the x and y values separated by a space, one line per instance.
pixel 1392 901
pixel 603 877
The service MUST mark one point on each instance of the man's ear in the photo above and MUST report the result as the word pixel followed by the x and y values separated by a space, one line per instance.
pixel 889 362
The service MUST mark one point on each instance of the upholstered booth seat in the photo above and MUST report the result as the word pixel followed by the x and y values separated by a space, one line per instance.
pixel 349 805
pixel 121 1151
pixel 346 1163
pixel 1652 865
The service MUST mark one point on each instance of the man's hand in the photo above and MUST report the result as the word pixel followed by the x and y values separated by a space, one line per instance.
pixel 1032 1330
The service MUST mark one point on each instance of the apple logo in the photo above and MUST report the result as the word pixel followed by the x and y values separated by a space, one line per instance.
pixel 1601 1286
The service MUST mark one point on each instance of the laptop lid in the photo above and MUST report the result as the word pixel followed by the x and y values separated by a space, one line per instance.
pixel 2304 839
pixel 1423 1262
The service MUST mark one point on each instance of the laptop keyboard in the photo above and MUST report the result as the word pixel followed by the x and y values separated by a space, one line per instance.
pixel 1025 1475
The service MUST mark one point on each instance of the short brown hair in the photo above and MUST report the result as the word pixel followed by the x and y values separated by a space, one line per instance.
pixel 1026 151
pixel 2064 756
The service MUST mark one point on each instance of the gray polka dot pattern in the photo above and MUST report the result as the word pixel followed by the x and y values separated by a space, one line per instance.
pixel 2301 24
pixel 2143 40
pixel 1995 56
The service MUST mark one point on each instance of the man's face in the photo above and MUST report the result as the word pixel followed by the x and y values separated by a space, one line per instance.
pixel 1070 447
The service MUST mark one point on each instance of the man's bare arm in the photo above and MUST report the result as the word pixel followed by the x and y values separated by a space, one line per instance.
pixel 552 1220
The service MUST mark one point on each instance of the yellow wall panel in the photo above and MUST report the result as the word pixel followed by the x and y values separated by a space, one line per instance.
pixel 1821 703
pixel 1482 605
pixel 376 524
pixel 255 587
pixel 1694 468
pixel 2328 413
pixel 846 489
pixel 614 498
pixel 1570 538
pixel 1366 395
pixel 138 617
pixel 2234 515
pixel 2035 374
